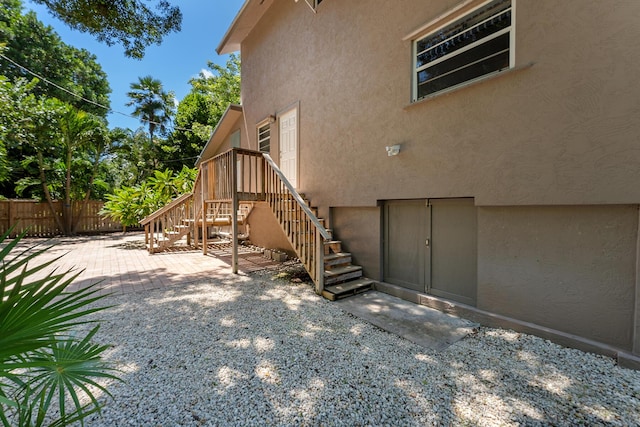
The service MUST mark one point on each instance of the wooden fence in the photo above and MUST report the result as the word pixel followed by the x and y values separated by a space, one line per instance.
pixel 37 218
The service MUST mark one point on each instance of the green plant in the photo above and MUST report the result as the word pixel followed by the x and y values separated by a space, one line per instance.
pixel 129 205
pixel 46 366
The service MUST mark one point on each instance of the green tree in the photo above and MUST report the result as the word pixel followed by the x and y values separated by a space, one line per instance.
pixel 128 22
pixel 61 147
pixel 127 162
pixel 16 104
pixel 200 111
pixel 28 127
pixel 37 47
pixel 42 361
pixel 79 132
pixel 153 105
pixel 129 205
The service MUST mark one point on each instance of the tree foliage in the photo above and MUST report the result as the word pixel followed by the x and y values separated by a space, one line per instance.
pixel 152 104
pixel 17 103
pixel 200 111
pixel 56 149
pixel 129 205
pixel 128 22
pixel 37 47
pixel 129 161
pixel 51 143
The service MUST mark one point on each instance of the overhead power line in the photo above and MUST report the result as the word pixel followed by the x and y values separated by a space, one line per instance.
pixel 110 110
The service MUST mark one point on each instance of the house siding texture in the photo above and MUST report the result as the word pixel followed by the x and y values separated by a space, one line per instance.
pixel 550 151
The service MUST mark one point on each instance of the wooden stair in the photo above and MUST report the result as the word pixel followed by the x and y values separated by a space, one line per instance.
pixel 176 227
pixel 341 278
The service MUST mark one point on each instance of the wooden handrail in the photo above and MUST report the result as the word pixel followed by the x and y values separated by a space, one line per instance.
pixel 165 209
pixel 235 176
pixel 304 230
pixel 296 196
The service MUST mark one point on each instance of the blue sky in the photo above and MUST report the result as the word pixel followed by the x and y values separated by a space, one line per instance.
pixel 180 57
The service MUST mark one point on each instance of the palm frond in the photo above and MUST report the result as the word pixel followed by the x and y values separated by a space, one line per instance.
pixel 42 359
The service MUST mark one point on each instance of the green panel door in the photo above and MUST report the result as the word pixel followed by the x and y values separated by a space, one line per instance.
pixel 432 247
pixel 406 230
pixel 454 249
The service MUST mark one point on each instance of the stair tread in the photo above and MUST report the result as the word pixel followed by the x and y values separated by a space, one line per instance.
pixel 342 270
pixel 337 255
pixel 348 286
pixel 346 289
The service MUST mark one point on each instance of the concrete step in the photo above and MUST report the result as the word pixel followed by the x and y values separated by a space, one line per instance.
pixel 347 289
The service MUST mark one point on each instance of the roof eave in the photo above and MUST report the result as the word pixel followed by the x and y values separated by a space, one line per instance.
pixel 216 138
pixel 250 13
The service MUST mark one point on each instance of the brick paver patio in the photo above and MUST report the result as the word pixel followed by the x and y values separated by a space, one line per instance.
pixel 122 263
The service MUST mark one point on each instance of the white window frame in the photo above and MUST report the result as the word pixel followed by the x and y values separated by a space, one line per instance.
pixel 259 126
pixel 445 21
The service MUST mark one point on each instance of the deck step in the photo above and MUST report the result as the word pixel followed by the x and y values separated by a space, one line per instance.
pixel 332 246
pixel 347 289
pixel 342 274
pixel 337 259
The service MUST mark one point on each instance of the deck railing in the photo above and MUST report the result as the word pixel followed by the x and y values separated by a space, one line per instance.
pixel 245 167
pixel 241 175
pixel 169 223
pixel 303 229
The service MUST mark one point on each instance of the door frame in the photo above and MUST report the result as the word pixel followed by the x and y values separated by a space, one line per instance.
pixel 422 226
pixel 295 106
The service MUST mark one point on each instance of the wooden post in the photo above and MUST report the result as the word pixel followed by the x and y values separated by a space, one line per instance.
pixel 319 262
pixel 204 229
pixel 11 217
pixel 234 213
pixel 151 226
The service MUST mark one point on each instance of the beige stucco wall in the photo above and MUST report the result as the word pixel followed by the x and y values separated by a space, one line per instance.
pixel 245 141
pixel 265 231
pixel 570 268
pixel 561 129
pixel 359 230
pixel 555 133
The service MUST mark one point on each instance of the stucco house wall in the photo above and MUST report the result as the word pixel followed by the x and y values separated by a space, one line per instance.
pixel 549 150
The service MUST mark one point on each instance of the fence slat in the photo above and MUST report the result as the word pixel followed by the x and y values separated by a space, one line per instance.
pixel 37 219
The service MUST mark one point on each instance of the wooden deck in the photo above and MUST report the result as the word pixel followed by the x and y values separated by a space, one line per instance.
pixel 223 195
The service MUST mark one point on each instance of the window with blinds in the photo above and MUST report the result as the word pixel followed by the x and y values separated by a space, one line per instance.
pixel 469 48
pixel 264 138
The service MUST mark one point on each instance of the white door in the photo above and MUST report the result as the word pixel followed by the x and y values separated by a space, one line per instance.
pixel 289 146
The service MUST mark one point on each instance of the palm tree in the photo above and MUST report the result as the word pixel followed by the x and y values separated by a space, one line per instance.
pixel 78 130
pixel 153 105
pixel 43 362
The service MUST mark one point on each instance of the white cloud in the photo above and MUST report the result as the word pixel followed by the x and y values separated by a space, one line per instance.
pixel 206 73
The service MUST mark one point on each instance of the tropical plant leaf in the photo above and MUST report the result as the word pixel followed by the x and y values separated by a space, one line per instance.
pixel 42 359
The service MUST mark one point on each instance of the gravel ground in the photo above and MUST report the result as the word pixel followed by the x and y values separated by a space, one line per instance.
pixel 260 350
